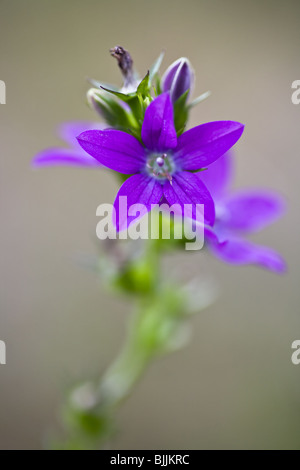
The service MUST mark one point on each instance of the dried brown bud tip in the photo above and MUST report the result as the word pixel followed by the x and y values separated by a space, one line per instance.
pixel 125 62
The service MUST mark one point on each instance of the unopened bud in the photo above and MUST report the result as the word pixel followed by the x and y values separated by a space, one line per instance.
pixel 178 78
pixel 95 102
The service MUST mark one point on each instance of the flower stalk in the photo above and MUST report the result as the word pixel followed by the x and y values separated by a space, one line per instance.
pixel 157 327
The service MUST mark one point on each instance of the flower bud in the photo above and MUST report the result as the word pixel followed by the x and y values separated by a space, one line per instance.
pixel 112 110
pixel 178 78
pixel 95 102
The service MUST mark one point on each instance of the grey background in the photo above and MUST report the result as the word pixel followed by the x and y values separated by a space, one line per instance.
pixel 234 386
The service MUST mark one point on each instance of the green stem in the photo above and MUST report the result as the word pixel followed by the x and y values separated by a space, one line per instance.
pixel 121 377
pixel 91 408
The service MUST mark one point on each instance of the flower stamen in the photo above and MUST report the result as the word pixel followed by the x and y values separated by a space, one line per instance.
pixel 161 166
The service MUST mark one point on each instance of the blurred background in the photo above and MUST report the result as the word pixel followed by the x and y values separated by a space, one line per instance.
pixel 234 386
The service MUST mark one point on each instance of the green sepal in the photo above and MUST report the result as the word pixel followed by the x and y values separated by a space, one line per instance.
pixel 113 113
pixel 197 171
pixel 199 99
pixel 97 84
pixel 144 87
pixel 181 113
pixel 132 99
pixel 154 69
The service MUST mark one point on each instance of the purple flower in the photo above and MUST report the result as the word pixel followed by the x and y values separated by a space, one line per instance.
pixel 238 214
pixel 74 155
pixel 178 78
pixel 163 166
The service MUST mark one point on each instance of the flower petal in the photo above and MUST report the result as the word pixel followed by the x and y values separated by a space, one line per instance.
pixel 240 252
pixel 139 189
pixel 218 176
pixel 64 157
pixel 158 131
pixel 252 210
pixel 187 188
pixel 168 76
pixel 202 145
pixel 68 131
pixel 116 150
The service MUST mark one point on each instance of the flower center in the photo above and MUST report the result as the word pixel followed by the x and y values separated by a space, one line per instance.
pixel 161 166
